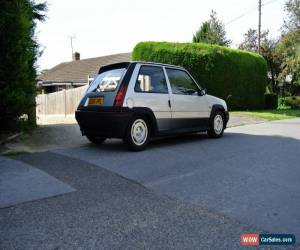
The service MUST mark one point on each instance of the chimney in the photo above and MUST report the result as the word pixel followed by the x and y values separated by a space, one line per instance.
pixel 76 56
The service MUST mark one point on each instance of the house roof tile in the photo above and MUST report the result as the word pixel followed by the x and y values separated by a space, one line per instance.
pixel 78 71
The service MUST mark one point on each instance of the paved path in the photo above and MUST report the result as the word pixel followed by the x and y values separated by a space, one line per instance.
pixel 20 182
pixel 240 120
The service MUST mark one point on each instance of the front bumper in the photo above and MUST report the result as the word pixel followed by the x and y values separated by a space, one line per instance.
pixel 104 122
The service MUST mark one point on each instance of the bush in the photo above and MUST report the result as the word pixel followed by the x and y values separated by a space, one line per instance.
pixel 293 102
pixel 271 101
pixel 281 104
pixel 239 77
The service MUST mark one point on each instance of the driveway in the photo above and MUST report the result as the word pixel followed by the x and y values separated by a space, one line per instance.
pixel 186 192
pixel 110 212
pixel 251 174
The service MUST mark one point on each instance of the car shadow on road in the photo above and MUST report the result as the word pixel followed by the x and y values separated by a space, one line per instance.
pixel 119 145
pixel 200 139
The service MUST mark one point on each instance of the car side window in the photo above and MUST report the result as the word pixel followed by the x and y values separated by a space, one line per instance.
pixel 151 79
pixel 181 82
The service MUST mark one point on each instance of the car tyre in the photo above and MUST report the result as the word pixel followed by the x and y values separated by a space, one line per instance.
pixel 96 139
pixel 217 125
pixel 137 134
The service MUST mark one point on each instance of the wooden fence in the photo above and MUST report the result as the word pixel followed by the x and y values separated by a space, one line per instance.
pixel 58 107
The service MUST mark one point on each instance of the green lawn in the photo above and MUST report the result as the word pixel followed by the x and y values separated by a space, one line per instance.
pixel 271 115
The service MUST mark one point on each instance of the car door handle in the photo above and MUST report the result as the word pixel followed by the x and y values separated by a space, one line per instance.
pixel 169 102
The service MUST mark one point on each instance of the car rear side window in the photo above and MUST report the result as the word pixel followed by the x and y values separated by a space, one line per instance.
pixel 107 80
pixel 181 82
pixel 151 79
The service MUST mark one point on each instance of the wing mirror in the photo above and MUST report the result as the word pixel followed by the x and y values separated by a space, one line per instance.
pixel 202 92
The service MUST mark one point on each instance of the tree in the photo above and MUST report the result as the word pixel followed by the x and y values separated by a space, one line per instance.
pixel 250 42
pixel 18 54
pixel 268 51
pixel 212 32
pixel 289 44
pixel 289 49
pixel 292 7
pixel 274 60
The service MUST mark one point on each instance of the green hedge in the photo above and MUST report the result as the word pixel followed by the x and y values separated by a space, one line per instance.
pixel 236 76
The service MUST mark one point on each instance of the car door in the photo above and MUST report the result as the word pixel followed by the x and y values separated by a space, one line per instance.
pixel 189 109
pixel 151 91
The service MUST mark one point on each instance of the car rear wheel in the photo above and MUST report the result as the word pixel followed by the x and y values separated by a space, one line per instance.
pixel 137 134
pixel 217 125
pixel 96 139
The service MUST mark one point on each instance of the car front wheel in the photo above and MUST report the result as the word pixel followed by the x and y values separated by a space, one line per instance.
pixel 217 125
pixel 137 134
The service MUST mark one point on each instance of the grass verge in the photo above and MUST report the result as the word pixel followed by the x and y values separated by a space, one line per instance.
pixel 271 115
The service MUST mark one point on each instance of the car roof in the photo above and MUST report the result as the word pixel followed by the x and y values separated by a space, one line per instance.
pixel 158 64
pixel 126 64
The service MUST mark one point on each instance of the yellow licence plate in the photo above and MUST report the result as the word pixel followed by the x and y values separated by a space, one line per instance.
pixel 99 100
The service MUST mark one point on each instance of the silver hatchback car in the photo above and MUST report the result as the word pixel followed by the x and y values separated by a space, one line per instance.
pixel 140 100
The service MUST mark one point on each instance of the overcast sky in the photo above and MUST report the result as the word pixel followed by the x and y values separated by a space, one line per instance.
pixel 104 27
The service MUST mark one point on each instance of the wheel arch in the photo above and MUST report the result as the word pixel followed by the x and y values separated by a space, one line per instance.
pixel 147 113
pixel 215 108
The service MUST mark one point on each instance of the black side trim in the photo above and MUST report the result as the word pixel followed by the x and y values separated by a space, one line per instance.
pixel 190 123
pixel 186 125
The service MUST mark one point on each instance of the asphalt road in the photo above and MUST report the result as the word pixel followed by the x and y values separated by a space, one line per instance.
pixel 189 192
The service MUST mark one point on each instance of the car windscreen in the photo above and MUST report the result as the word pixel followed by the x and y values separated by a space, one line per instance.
pixel 107 80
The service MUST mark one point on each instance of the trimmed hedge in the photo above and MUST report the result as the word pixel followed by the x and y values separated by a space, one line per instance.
pixel 239 77
pixel 271 101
